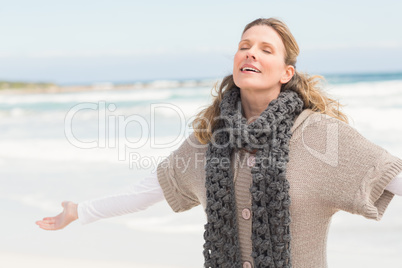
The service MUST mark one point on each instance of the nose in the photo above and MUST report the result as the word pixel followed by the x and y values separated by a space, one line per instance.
pixel 250 54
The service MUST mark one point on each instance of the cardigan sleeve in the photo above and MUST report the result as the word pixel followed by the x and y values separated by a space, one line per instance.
pixel 372 198
pixel 341 169
pixel 179 175
pixel 357 170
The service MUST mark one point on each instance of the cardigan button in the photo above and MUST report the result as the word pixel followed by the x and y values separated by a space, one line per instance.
pixel 251 161
pixel 246 214
pixel 247 264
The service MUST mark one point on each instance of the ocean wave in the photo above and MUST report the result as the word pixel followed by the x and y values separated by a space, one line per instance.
pixel 61 150
pixel 368 89
pixel 35 200
pixel 137 95
pixel 165 109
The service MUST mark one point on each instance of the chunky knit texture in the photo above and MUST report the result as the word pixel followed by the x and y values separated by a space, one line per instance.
pixel 269 136
pixel 331 168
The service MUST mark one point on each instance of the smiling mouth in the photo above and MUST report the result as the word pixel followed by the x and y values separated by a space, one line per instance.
pixel 248 69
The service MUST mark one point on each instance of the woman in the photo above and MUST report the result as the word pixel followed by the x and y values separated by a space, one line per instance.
pixel 280 161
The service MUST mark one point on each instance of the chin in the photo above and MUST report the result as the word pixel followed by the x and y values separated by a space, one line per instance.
pixel 248 83
pixel 251 86
pixel 255 85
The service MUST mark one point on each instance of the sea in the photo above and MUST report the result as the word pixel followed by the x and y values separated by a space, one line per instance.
pixel 89 144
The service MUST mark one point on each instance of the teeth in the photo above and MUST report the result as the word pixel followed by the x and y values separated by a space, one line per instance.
pixel 250 69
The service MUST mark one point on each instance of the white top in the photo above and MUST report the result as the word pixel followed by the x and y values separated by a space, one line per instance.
pixel 147 192
pixel 136 197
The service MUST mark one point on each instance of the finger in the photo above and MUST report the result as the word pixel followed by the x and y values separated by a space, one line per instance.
pixel 49 220
pixel 64 204
pixel 45 226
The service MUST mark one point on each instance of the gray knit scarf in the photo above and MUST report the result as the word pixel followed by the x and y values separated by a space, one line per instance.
pixel 269 137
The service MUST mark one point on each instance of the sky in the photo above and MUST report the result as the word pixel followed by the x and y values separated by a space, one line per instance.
pixel 87 41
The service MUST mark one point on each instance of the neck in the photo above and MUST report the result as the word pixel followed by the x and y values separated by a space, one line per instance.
pixel 254 103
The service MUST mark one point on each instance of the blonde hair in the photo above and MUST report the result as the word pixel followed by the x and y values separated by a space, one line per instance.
pixel 308 87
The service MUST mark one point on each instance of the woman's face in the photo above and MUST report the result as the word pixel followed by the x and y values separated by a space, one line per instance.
pixel 259 63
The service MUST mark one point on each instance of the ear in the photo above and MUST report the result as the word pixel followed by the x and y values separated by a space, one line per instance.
pixel 289 72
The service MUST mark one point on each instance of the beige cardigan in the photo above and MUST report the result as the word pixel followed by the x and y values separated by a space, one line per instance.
pixel 331 167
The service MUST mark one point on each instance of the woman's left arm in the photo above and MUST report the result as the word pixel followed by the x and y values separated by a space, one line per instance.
pixel 356 174
pixel 395 186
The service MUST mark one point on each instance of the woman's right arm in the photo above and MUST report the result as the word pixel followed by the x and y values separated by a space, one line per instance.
pixel 136 198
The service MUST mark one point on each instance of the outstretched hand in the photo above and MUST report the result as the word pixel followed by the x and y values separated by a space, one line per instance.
pixel 60 221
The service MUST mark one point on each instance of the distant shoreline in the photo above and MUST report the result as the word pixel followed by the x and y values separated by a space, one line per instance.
pixel 32 88
pixel 8 87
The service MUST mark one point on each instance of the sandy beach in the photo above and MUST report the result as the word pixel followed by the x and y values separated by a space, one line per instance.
pixel 12 260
